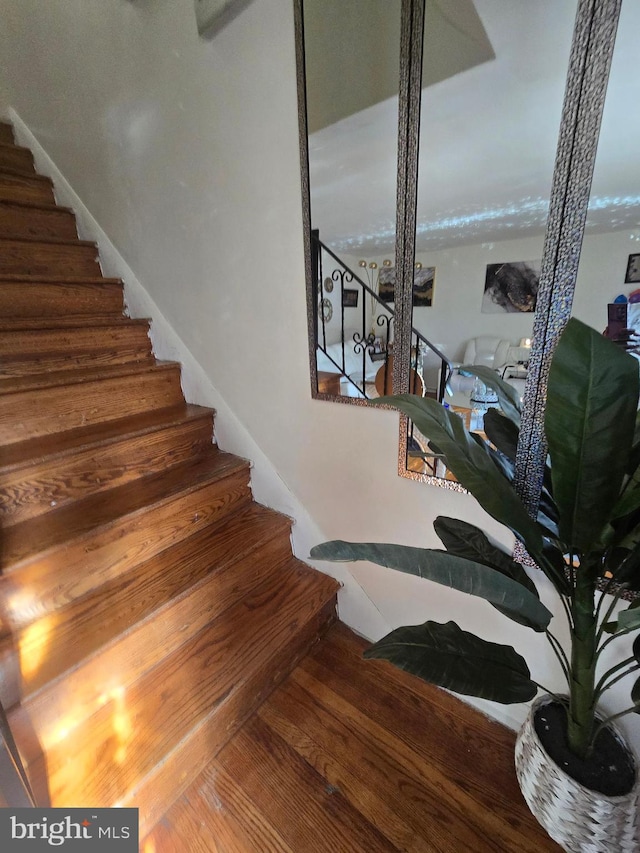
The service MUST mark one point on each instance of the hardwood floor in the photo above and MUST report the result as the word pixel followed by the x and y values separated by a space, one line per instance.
pixel 353 756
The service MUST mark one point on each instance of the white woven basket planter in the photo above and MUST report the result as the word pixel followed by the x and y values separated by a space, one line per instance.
pixel 579 819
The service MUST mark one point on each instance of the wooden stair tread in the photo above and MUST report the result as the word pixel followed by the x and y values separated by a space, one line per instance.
pixel 198 678
pixel 196 603
pixel 50 241
pixel 34 178
pixel 23 543
pixel 93 436
pixel 79 375
pixel 36 206
pixel 38 351
pixel 75 633
pixel 16 157
pixel 58 279
pixel 69 321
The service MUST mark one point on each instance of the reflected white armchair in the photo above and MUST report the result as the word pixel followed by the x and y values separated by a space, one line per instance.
pixel 487 350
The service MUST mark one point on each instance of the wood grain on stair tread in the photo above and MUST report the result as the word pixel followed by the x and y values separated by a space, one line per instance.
pixel 43 300
pixel 17 187
pixel 158 790
pixel 111 394
pixel 24 219
pixel 94 436
pixel 28 351
pixel 91 521
pixel 48 257
pixel 44 482
pixel 160 633
pixel 16 158
pixel 78 630
pixel 182 689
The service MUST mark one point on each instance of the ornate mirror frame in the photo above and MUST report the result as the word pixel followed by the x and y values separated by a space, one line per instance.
pixel 588 72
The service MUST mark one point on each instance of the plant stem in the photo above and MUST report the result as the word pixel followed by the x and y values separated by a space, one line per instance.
pixel 613 670
pixel 606 722
pixel 560 654
pixel 612 638
pixel 601 689
pixel 581 716
pixel 605 619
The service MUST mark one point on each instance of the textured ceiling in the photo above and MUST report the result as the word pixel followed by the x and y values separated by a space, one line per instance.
pixel 488 142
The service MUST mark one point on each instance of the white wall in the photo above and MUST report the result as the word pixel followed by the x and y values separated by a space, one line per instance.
pixel 186 153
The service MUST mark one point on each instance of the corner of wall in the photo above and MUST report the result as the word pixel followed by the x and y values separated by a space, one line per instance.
pixel 356 609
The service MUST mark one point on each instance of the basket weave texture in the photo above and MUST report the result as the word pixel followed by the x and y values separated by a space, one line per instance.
pixel 579 819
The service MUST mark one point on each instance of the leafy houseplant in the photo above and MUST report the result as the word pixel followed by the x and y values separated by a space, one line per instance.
pixel 585 539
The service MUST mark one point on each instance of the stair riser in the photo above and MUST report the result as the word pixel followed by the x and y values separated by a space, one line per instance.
pixel 78 567
pixel 49 648
pixel 17 221
pixel 40 351
pixel 6 133
pixel 44 411
pixel 135 653
pixel 19 299
pixel 166 782
pixel 32 258
pixel 35 489
pixel 138 725
pixel 100 358
pixel 40 343
pixel 17 159
pixel 19 188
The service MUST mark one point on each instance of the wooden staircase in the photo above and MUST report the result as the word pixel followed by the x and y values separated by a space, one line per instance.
pixel 148 605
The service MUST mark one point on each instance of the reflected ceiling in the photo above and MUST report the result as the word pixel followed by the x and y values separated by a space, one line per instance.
pixel 498 187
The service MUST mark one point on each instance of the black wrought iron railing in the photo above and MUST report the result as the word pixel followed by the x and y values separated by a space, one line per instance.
pixel 358 344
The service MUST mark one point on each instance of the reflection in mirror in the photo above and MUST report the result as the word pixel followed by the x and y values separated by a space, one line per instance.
pixel 352 66
pixel 487 148
pixel 607 294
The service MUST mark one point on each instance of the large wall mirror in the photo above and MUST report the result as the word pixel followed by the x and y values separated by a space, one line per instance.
pixel 499 204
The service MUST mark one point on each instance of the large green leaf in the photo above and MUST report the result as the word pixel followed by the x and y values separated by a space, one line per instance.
pixel 451 658
pixel 629 619
pixel 446 569
pixel 629 500
pixel 474 468
pixel 465 540
pixel 502 432
pixel 628 571
pixel 507 394
pixel 589 424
